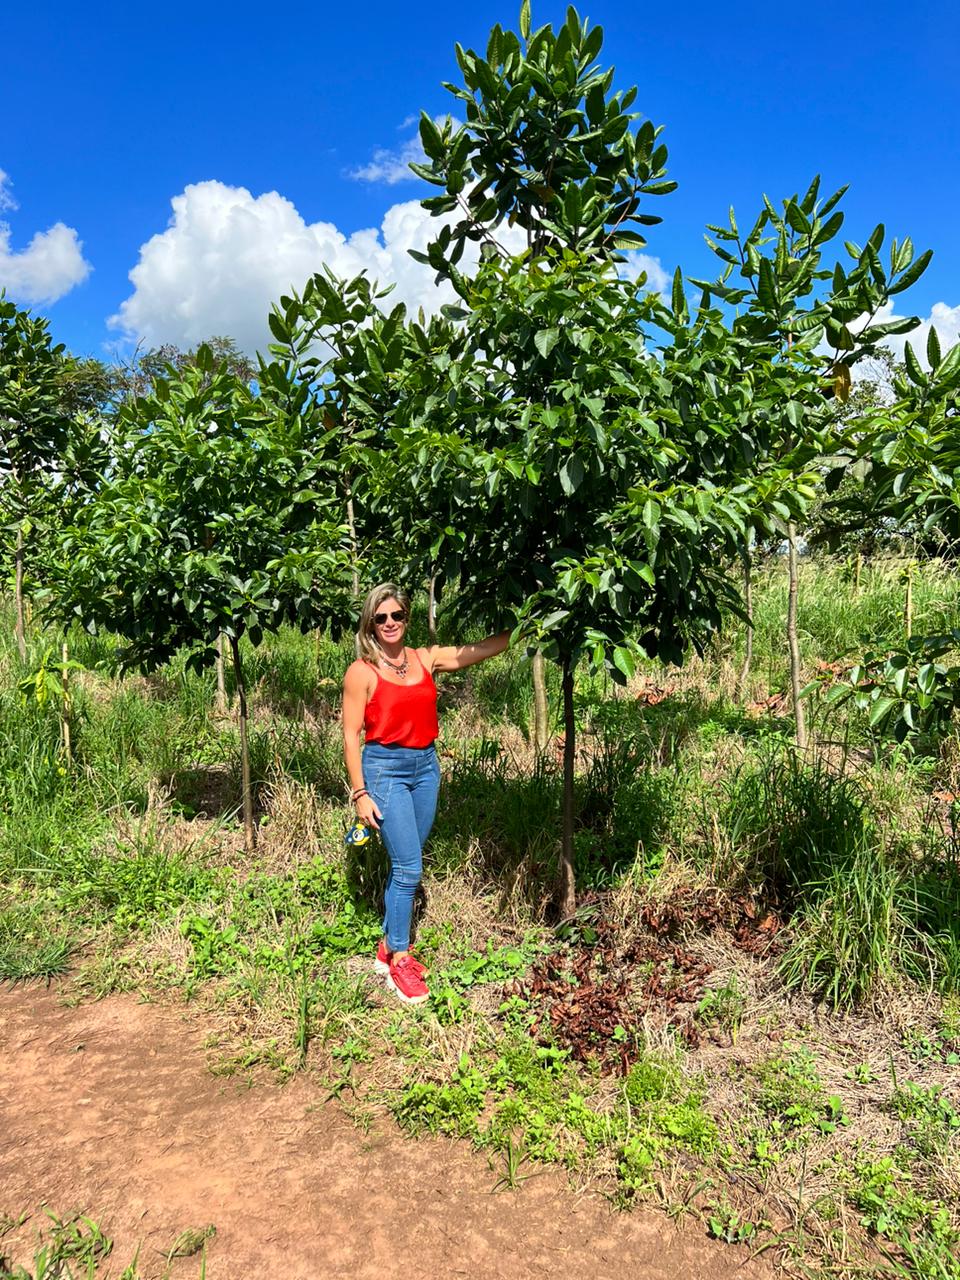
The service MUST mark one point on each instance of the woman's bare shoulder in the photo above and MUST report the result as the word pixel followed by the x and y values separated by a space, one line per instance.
pixel 359 675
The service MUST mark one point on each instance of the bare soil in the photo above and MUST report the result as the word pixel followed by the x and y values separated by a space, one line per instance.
pixel 109 1109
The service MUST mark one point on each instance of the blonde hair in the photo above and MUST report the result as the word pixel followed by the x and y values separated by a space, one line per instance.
pixel 368 646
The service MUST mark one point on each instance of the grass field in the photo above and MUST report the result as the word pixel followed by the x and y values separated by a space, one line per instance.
pixel 753 1018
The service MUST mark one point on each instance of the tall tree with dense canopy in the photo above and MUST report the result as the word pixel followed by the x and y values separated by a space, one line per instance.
pixel 548 481
pixel 540 457
pixel 546 150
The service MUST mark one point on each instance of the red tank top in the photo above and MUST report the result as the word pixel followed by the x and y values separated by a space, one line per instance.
pixel 403 715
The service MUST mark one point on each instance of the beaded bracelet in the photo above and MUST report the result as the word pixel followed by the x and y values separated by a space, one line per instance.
pixel 355 795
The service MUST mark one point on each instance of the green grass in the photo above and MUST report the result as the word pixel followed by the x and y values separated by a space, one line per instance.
pixel 126 868
pixel 833 619
pixel 33 942
pixel 864 909
pixel 76 1246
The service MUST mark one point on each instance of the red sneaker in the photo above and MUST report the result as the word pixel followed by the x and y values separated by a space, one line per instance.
pixel 405 976
pixel 382 962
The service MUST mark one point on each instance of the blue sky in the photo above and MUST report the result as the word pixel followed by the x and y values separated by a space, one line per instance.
pixel 113 111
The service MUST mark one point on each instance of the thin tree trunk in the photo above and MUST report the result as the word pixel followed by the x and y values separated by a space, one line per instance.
pixel 354 563
pixel 908 604
pixel 568 883
pixel 432 608
pixel 857 567
pixel 354 555
pixel 20 627
pixel 793 646
pixel 221 675
pixel 541 707
pixel 744 675
pixel 249 835
pixel 65 721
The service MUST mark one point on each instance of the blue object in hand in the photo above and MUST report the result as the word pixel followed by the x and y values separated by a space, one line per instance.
pixel 358 834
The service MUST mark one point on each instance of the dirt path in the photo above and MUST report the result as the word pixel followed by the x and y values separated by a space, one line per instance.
pixel 108 1108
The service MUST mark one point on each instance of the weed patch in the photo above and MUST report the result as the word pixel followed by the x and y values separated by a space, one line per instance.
pixel 34 942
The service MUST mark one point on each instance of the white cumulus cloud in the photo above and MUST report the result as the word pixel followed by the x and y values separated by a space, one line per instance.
pixel 636 262
pixel 944 318
pixel 227 255
pixel 391 165
pixel 51 264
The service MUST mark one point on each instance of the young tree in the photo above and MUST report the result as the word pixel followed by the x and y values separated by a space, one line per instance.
pixel 801 326
pixel 34 428
pixel 545 458
pixel 218 516
pixel 909 463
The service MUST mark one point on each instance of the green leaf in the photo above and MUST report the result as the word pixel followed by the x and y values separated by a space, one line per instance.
pixel 767 286
pixel 912 273
pixel 881 708
pixel 546 340
pixel 525 19
pixel 933 349
pixel 950 365
pixel 794 413
pixel 624 661
pixel 571 475
pixel 914 371
pixel 927 678
pixel 596 105
pixel 795 218
pixel 704 502
pixel 678 299
pixel 627 240
pixel 277 327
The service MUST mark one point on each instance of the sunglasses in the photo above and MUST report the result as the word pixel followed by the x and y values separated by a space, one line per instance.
pixel 396 616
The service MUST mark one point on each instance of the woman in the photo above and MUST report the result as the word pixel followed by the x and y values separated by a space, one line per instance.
pixel 389 694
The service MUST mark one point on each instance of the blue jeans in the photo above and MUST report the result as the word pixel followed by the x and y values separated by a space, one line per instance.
pixel 403 782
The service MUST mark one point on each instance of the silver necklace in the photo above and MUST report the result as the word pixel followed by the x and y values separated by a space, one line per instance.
pixel 398 668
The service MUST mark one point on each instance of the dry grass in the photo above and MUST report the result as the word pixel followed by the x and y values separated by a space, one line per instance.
pixel 296 827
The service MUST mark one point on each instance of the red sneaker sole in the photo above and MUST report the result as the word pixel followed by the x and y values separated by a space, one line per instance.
pixel 405 998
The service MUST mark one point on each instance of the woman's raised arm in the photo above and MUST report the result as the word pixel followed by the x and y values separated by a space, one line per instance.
pixel 455 657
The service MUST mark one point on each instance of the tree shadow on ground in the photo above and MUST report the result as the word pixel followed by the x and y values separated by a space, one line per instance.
pixel 207 791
